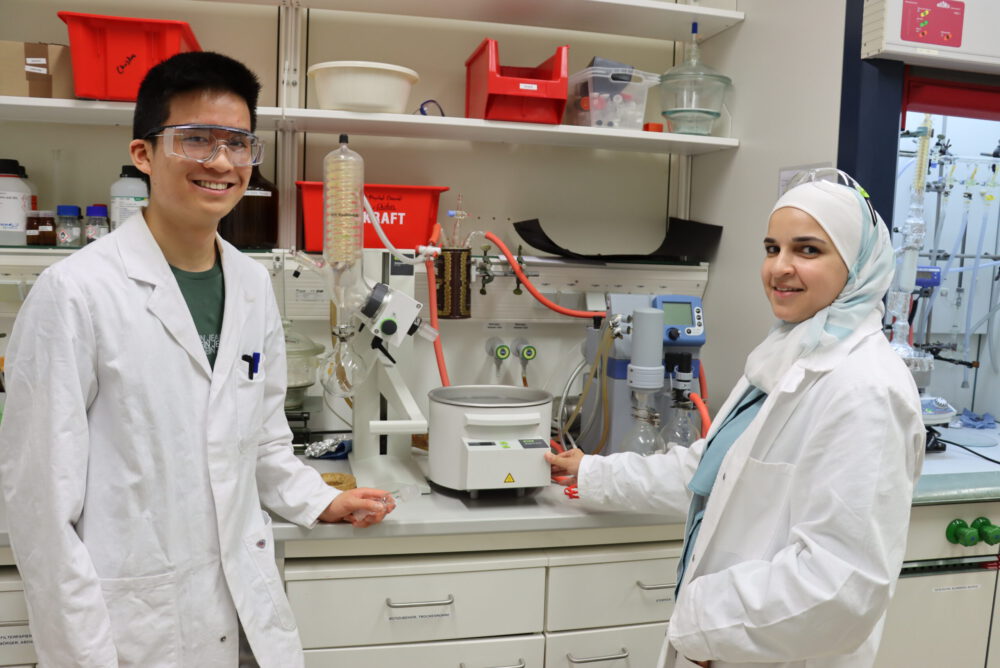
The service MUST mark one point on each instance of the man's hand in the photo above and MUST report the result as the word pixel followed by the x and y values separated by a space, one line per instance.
pixel 360 507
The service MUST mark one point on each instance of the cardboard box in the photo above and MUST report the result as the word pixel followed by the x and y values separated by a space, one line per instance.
pixel 32 69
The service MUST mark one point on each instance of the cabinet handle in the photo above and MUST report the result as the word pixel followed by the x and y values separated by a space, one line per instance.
pixel 420 604
pixel 597 659
pixel 643 585
pixel 520 664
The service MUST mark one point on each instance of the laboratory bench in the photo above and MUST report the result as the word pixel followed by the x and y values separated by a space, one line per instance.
pixel 538 579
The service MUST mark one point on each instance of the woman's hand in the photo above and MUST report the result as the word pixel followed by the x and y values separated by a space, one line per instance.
pixel 361 507
pixel 565 463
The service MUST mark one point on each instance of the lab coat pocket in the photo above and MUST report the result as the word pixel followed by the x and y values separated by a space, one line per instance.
pixel 249 408
pixel 260 546
pixel 754 523
pixel 144 619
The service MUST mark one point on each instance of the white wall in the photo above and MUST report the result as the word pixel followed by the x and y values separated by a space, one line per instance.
pixel 785 61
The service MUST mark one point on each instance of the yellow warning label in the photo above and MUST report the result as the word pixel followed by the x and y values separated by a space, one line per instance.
pixel 509 478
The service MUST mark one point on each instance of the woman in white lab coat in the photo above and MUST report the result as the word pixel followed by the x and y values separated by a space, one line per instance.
pixel 133 468
pixel 799 498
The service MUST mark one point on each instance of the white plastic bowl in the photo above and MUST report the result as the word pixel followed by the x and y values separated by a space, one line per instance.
pixel 355 85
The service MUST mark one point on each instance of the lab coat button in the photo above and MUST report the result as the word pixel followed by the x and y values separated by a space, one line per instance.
pixel 222 639
pixel 262 543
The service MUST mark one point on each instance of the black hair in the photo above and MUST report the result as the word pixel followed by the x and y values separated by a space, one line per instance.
pixel 186 72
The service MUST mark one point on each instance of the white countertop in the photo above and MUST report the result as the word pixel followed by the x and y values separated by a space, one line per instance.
pixel 446 512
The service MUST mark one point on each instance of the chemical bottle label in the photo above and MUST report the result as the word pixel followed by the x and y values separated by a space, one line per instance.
pixel 123 208
pixel 13 210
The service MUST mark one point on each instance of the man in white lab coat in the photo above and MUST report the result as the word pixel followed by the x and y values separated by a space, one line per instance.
pixel 145 425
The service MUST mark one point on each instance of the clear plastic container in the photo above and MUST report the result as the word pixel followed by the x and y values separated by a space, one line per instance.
pixel 69 227
pixel 609 97
pixel 96 225
pixel 15 203
pixel 129 195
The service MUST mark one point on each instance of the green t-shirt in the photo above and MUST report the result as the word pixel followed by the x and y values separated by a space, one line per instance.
pixel 205 294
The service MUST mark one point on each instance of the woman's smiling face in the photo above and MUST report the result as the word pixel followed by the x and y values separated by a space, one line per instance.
pixel 802 271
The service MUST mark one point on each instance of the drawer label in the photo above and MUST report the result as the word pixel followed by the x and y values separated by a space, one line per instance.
pixel 418 616
pixel 10 638
pixel 938 590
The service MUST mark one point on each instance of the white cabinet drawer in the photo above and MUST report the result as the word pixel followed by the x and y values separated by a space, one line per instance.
pixel 13 607
pixel 953 607
pixel 610 594
pixel 509 652
pixel 621 647
pixel 411 608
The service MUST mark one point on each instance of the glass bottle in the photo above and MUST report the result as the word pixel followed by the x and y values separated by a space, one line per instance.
pixel 69 230
pixel 31 229
pixel 253 222
pixel 46 228
pixel 644 437
pixel 97 222
pixel 681 427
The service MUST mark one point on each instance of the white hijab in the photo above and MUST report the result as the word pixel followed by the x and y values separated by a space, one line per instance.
pixel 865 247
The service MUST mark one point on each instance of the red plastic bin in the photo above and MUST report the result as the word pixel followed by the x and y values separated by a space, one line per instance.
pixel 407 214
pixel 526 94
pixel 111 54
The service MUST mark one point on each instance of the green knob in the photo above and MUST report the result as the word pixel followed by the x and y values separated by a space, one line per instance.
pixel 988 532
pixel 502 351
pixel 960 533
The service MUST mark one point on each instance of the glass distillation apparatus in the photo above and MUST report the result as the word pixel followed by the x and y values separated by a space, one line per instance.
pixel 936 410
pixel 363 318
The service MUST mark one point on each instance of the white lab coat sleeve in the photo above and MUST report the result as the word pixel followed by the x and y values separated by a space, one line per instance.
pixel 286 485
pixel 44 449
pixel 656 483
pixel 825 590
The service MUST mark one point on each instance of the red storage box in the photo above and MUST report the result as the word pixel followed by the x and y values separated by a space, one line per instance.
pixel 111 54
pixel 525 94
pixel 407 214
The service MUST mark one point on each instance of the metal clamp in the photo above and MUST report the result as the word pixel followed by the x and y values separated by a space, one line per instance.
pixel 520 664
pixel 597 659
pixel 643 585
pixel 420 604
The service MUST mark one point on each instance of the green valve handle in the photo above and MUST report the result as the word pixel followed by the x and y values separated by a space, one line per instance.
pixel 501 352
pixel 988 532
pixel 960 533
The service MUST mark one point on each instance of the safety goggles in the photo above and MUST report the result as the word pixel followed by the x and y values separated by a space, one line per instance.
pixel 202 143
pixel 833 175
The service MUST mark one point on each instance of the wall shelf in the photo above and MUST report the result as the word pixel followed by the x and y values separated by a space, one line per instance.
pixel 88 112
pixel 474 129
pixel 654 19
